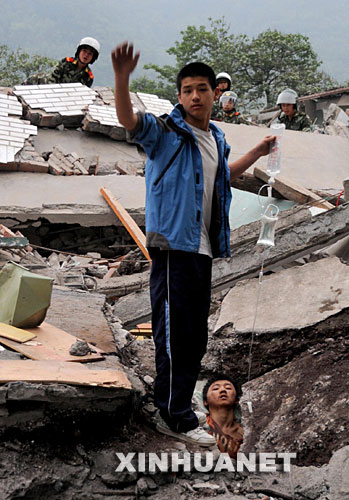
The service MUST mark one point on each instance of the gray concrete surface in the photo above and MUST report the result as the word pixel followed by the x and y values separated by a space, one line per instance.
pixel 72 199
pixel 293 298
pixel 315 161
pixel 86 144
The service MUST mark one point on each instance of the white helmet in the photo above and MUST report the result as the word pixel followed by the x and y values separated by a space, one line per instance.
pixel 287 96
pixel 226 97
pixel 223 75
pixel 92 43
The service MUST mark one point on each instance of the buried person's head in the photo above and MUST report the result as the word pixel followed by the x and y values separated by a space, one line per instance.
pixel 221 391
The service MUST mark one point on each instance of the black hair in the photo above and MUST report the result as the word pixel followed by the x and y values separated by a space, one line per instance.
pixel 196 69
pixel 221 376
pixel 294 106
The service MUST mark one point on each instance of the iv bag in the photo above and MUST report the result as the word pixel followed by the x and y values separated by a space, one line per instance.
pixel 267 233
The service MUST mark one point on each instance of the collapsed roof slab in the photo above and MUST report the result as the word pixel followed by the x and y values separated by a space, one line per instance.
pixel 319 290
pixel 53 104
pixel 86 144
pixel 315 161
pixel 68 200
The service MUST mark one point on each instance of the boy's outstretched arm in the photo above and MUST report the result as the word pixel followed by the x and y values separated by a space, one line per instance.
pixel 261 149
pixel 124 62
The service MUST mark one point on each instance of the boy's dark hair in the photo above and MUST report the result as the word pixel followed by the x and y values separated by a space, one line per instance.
pixel 221 376
pixel 196 69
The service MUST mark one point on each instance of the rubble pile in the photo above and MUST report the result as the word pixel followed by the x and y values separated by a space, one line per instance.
pixel 81 389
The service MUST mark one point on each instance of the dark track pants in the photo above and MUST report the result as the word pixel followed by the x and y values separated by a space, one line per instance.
pixel 180 291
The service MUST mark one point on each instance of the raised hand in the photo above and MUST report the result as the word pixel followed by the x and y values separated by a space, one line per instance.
pixel 123 59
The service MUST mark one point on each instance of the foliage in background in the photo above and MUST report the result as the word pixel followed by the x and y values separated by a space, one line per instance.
pixel 17 66
pixel 260 67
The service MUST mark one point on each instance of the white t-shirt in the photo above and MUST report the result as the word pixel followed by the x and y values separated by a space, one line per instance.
pixel 209 154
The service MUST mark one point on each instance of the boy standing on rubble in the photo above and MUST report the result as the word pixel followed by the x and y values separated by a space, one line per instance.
pixel 187 206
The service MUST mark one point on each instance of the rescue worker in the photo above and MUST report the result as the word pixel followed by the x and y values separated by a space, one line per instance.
pixel 73 69
pixel 290 116
pixel 227 112
pixel 223 84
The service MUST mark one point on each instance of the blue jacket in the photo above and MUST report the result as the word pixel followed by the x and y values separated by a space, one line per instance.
pixel 174 185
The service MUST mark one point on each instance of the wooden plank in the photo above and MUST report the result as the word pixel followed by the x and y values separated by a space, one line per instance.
pixel 146 326
pixel 126 219
pixel 50 343
pixel 17 334
pixel 292 191
pixel 61 372
pixel 142 329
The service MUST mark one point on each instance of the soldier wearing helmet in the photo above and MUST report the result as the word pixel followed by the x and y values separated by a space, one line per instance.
pixel 227 112
pixel 73 69
pixel 76 69
pixel 290 116
pixel 223 81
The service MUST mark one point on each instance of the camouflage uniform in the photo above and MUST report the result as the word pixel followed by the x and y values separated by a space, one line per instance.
pixel 215 110
pixel 299 121
pixel 66 71
pixel 232 116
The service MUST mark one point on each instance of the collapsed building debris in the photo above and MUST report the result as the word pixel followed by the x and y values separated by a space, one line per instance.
pixel 51 105
pixel 97 297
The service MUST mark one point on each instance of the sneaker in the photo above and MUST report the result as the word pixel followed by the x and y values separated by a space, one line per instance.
pixel 195 436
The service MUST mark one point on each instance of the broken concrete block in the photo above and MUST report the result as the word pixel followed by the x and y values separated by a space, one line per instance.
pixel 9 105
pixel 83 316
pixel 54 166
pixel 125 167
pixel 153 104
pixel 103 120
pixel 301 407
pixel 314 291
pixel 55 104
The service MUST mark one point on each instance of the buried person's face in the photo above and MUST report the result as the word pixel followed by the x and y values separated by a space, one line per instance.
pixel 221 393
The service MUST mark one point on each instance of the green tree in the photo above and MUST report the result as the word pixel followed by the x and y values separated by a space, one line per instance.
pixel 273 61
pixel 157 87
pixel 17 66
pixel 260 67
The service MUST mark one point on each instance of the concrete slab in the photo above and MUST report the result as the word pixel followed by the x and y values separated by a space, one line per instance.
pixel 71 199
pixel 86 144
pixel 13 133
pixel 315 161
pixel 62 98
pixel 154 104
pixel 293 298
pixel 80 313
pixel 9 105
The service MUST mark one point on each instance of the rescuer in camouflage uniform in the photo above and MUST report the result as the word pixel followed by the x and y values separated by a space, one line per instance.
pixel 72 69
pixel 290 116
pixel 227 112
pixel 223 84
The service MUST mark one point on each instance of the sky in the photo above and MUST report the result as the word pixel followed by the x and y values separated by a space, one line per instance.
pixel 53 27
